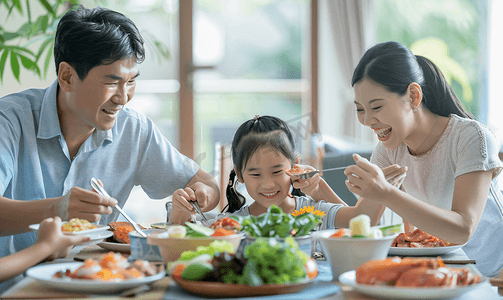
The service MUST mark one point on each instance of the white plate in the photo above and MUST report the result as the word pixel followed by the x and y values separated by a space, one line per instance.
pixel 391 292
pixel 44 273
pixel 99 228
pixel 426 251
pixel 115 246
pixel 96 235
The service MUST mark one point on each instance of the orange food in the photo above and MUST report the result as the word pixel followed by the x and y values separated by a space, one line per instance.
pixel 121 234
pixel 179 270
pixel 110 267
pixel 413 272
pixel 311 268
pixel 121 230
pixel 296 170
pixel 341 232
pixel 223 232
pixel 418 239
pixel 227 223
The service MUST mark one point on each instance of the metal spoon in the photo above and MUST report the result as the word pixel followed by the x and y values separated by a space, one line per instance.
pixel 98 188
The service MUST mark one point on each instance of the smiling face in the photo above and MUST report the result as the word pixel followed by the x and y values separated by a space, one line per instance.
pixel 95 101
pixel 265 180
pixel 387 113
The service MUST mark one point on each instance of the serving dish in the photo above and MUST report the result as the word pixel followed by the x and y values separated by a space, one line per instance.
pixel 391 292
pixel 44 273
pixel 225 290
pixel 426 251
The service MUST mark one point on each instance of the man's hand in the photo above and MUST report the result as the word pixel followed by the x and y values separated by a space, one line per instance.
pixel 182 209
pixel 84 204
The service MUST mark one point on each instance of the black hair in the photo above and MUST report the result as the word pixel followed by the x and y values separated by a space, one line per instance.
pixel 395 67
pixel 86 38
pixel 263 131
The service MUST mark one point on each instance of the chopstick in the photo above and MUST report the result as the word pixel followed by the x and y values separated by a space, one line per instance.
pixel 459 261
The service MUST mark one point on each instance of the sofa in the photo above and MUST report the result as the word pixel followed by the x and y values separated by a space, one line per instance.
pixel 339 153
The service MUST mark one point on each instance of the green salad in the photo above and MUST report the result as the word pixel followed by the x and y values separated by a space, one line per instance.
pixel 276 223
pixel 265 261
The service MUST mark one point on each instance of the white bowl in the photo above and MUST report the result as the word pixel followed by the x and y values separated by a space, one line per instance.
pixel 346 254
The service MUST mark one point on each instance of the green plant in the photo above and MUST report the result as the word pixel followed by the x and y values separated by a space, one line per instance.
pixel 31 46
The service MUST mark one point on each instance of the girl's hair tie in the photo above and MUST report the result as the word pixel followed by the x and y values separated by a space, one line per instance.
pixel 256 117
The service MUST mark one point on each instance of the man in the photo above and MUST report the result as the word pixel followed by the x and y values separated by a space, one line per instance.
pixel 54 140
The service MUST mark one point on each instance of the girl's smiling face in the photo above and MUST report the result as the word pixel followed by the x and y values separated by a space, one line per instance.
pixel 387 113
pixel 264 178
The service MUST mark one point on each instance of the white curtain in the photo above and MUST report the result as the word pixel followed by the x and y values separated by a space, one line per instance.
pixel 350 26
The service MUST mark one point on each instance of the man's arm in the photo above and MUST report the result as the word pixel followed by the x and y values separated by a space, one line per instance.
pixel 17 215
pixel 206 190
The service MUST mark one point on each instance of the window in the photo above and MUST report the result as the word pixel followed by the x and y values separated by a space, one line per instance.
pixel 453 34
pixel 248 58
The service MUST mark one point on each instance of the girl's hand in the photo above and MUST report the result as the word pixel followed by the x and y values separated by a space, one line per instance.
pixel 367 180
pixel 51 236
pixel 310 186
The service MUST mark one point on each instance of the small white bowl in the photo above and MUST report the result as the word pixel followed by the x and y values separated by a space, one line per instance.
pixel 346 254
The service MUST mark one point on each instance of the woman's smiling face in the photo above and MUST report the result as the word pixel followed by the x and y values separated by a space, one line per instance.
pixel 264 178
pixel 387 113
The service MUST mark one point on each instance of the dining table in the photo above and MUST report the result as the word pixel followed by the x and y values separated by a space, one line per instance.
pixel 324 287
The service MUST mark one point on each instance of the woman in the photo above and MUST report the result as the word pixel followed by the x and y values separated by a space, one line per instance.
pixel 451 189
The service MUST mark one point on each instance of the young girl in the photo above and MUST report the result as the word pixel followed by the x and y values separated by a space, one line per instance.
pixel 451 190
pixel 262 148
pixel 51 243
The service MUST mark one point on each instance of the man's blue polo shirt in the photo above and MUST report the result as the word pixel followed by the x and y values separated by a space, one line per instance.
pixel 35 162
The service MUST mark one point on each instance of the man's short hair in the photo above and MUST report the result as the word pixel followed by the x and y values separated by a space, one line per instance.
pixel 86 38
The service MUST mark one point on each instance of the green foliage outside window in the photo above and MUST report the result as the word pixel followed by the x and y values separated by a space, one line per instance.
pixel 450 33
pixel 31 45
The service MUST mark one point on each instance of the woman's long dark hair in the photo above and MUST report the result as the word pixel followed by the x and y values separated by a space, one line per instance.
pixel 395 67
pixel 263 131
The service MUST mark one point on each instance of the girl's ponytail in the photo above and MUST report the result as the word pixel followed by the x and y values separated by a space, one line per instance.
pixel 438 95
pixel 234 199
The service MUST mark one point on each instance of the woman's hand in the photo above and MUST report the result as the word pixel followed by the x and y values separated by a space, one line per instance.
pixel 310 186
pixel 395 174
pixel 59 244
pixel 368 180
